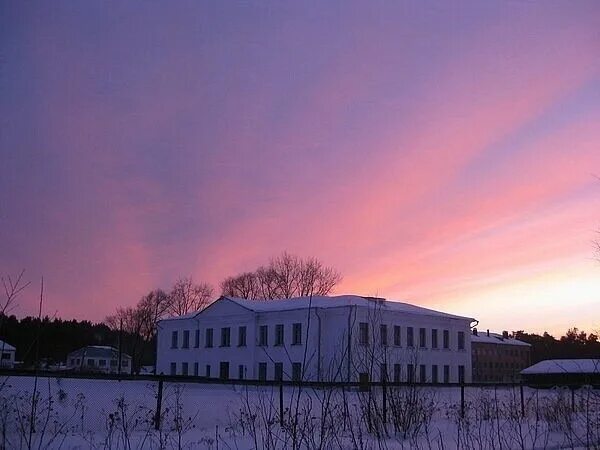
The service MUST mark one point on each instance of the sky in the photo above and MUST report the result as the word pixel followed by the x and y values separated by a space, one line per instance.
pixel 441 153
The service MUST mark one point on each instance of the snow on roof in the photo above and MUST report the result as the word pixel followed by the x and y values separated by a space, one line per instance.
pixel 6 346
pixel 337 302
pixel 495 338
pixel 558 366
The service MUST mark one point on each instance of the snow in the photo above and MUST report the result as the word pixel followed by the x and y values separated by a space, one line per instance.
pixel 329 302
pixel 337 302
pixel 6 347
pixel 101 411
pixel 495 338
pixel 561 366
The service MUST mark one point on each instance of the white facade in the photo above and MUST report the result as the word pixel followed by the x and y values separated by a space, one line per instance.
pixel 98 358
pixel 7 355
pixel 343 338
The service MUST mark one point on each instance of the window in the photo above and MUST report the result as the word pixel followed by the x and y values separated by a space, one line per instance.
pixel 207 371
pixel 208 341
pixel 461 340
pixel 434 374
pixel 297 371
pixel 225 337
pixel 224 370
pixel 423 373
pixel 383 335
pixel 410 373
pixel 102 362
pixel 363 378
pixel 7 356
pixel 397 336
pixel 184 368
pixel 241 336
pixel 410 338
pixel 446 374
pixel 78 361
pixel 263 335
pixel 446 339
pixel 363 333
pixel 434 338
pixel 173 368
pixel 262 371
pixel 422 337
pixel 195 369
pixel 278 371
pixel 397 373
pixel 461 374
pixel 197 339
pixel 241 372
pixel 383 375
pixel 174 339
pixel 186 339
pixel 297 334
pixel 279 334
pixel 125 363
pixel 90 362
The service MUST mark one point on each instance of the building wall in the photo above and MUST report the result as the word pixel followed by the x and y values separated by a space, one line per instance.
pixel 327 334
pixel 110 364
pixel 498 362
pixel 7 359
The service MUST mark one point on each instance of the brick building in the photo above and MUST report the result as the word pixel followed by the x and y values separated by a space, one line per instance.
pixel 498 358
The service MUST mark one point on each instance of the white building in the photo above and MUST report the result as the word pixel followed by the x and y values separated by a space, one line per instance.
pixel 98 358
pixel 7 353
pixel 343 338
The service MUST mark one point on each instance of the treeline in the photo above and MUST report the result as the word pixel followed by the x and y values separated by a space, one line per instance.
pixel 575 344
pixel 49 341
pixel 134 327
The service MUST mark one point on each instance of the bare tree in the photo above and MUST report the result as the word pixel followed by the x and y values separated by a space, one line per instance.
pixel 151 308
pixel 12 288
pixel 285 276
pixel 244 285
pixel 186 296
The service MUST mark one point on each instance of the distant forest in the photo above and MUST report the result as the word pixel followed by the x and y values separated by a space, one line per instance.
pixel 58 337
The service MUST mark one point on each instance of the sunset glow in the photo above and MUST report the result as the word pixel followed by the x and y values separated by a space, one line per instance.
pixel 440 153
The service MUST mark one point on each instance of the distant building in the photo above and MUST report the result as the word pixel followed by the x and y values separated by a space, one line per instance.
pixel 563 371
pixel 7 361
pixel 498 358
pixel 98 358
pixel 342 338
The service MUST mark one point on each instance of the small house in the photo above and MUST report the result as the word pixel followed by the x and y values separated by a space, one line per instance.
pixel 98 358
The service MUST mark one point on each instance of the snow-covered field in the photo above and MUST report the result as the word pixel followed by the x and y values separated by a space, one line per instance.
pixel 77 413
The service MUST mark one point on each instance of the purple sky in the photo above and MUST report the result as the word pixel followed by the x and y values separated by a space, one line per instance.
pixel 437 152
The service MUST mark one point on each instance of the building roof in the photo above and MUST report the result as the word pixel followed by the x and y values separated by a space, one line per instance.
pixel 6 346
pixel 98 351
pixel 563 366
pixel 495 338
pixel 331 302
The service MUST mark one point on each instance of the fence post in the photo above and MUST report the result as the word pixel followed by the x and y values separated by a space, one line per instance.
pixel 158 404
pixel 281 404
pixel 522 400
pixel 462 400
pixel 384 402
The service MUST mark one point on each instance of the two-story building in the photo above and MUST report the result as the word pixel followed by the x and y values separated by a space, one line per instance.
pixel 343 338
pixel 498 357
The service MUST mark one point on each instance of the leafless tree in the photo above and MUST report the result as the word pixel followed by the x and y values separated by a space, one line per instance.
pixel 12 288
pixel 285 276
pixel 151 308
pixel 186 296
